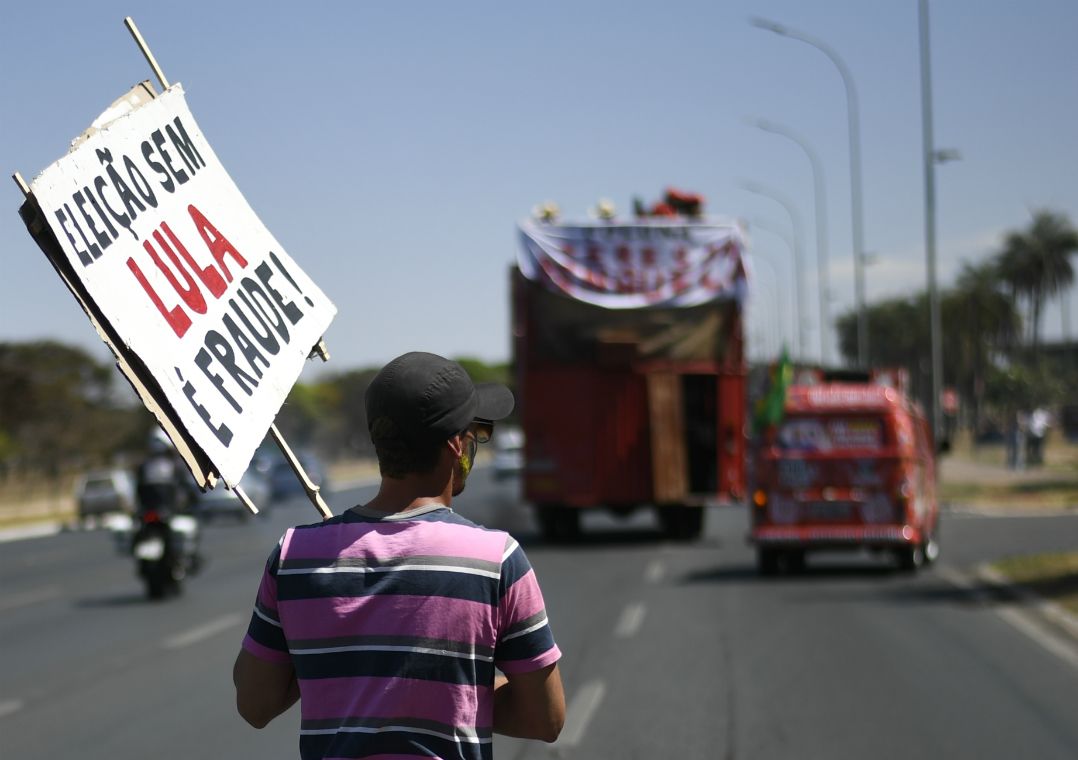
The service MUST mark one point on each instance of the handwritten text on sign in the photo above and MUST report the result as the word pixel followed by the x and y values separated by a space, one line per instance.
pixel 186 273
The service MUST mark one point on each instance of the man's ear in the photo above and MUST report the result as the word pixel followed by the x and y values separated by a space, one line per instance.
pixel 456 445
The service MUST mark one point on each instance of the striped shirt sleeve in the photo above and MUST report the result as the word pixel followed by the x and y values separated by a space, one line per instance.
pixel 525 641
pixel 265 638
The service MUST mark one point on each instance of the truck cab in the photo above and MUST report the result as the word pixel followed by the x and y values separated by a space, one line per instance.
pixel 850 466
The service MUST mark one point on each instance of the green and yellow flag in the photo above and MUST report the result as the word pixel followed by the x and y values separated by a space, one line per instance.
pixel 771 407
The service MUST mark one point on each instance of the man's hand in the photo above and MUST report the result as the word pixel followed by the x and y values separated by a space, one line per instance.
pixel 264 689
pixel 530 705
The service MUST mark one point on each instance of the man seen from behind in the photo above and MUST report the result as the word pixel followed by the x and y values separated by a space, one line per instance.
pixel 387 622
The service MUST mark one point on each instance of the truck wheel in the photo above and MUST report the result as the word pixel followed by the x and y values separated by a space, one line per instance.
pixel 910 558
pixel 682 523
pixel 558 523
pixel 932 545
pixel 767 561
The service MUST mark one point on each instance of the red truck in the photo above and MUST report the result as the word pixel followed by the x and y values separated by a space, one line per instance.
pixel 630 369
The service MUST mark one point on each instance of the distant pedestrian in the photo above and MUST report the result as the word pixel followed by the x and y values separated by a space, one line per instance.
pixel 387 622
pixel 1039 423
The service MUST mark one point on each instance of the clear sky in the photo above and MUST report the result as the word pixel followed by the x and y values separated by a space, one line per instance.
pixel 391 147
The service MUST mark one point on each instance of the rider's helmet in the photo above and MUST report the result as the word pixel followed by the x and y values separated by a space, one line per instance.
pixel 158 442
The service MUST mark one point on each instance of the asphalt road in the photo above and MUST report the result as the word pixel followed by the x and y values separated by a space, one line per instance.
pixel 671 650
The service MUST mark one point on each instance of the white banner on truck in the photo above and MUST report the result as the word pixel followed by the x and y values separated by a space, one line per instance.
pixel 185 273
pixel 630 266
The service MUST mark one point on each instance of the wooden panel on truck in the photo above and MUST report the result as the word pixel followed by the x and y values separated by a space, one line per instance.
pixel 666 414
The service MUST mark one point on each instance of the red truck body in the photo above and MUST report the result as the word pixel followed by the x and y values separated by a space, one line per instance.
pixel 625 408
pixel 851 466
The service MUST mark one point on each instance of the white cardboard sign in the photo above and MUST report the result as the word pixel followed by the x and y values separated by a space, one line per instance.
pixel 186 274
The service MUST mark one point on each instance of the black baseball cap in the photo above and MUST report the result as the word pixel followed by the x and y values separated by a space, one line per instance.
pixel 430 398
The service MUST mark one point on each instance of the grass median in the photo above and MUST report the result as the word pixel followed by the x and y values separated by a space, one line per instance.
pixel 1050 576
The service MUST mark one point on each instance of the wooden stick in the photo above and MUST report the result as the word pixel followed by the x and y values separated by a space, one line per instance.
pixel 245 499
pixel 130 24
pixel 308 485
pixel 22 184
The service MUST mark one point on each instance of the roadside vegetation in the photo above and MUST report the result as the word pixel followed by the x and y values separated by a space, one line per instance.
pixel 1049 576
pixel 63 413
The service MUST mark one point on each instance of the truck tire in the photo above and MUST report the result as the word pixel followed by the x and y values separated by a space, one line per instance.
pixel 559 524
pixel 682 523
pixel 910 558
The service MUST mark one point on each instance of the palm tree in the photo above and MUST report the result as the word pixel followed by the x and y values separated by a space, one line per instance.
pixel 986 322
pixel 1036 263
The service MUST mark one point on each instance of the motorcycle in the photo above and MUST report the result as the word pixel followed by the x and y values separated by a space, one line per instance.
pixel 165 548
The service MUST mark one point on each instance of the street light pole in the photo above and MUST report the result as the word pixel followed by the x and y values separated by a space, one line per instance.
pixel 795 224
pixel 795 284
pixel 853 118
pixel 821 229
pixel 780 308
pixel 930 158
pixel 780 318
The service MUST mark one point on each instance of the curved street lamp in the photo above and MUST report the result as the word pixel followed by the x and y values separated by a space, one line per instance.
pixel 796 316
pixel 852 109
pixel 772 328
pixel 795 223
pixel 821 228
pixel 780 308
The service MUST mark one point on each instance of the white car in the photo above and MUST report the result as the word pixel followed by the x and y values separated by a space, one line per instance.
pixel 508 452
pixel 221 501
pixel 103 492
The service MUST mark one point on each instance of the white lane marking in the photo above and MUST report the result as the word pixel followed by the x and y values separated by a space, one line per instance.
pixel 29 597
pixel 202 632
pixel 655 571
pixel 630 620
pixel 1018 619
pixel 1050 610
pixel 1038 634
pixel 30 531
pixel 955 578
pixel 579 713
pixel 10 707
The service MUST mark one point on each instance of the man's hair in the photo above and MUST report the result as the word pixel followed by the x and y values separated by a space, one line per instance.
pixel 398 457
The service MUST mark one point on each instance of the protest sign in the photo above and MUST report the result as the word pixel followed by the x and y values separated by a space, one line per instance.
pixel 180 277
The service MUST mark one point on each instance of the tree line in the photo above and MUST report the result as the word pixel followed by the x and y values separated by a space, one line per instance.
pixel 993 354
pixel 64 411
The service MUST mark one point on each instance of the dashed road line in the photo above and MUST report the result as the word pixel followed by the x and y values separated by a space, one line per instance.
pixel 33 596
pixel 655 571
pixel 581 709
pixel 202 632
pixel 10 707
pixel 630 620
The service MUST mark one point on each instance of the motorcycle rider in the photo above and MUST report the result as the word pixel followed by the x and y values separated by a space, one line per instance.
pixel 161 484
pixel 165 493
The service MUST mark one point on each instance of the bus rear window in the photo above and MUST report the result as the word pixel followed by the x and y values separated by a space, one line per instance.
pixel 841 433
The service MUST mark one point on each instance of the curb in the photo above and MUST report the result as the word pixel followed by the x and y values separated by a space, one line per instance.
pixel 1051 611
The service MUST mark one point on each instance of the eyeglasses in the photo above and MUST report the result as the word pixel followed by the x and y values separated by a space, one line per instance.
pixel 482 430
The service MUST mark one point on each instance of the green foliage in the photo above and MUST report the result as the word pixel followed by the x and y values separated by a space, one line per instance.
pixel 982 322
pixel 58 408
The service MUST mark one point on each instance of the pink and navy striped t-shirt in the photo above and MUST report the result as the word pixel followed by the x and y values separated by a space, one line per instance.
pixel 395 625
